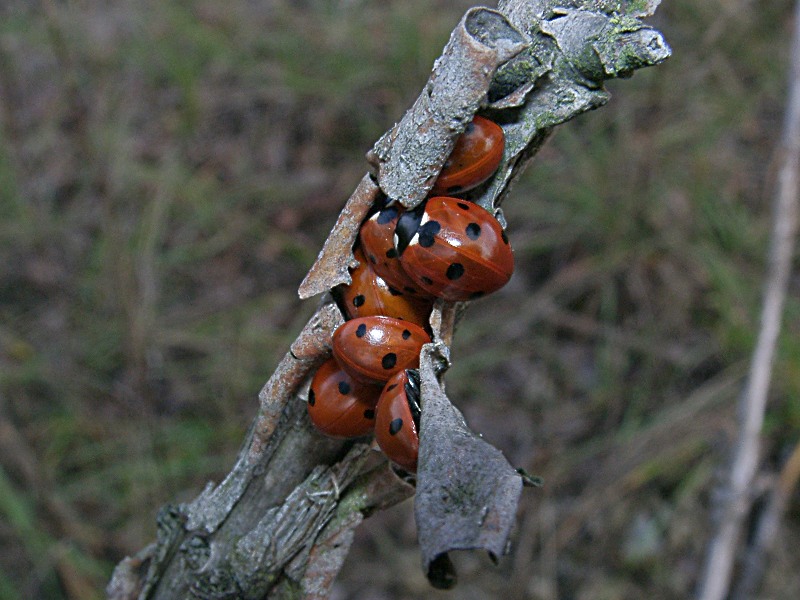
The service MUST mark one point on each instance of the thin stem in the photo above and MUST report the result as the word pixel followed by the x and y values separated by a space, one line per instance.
pixel 736 499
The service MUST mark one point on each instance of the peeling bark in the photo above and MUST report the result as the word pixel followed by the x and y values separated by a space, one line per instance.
pixel 467 492
pixel 336 257
pixel 409 157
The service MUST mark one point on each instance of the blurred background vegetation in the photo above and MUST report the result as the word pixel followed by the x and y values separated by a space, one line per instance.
pixel 168 173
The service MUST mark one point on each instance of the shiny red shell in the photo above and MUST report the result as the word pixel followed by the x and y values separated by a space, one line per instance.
pixel 372 349
pixel 370 295
pixel 475 157
pixel 338 406
pixel 459 251
pixel 397 420
pixel 377 242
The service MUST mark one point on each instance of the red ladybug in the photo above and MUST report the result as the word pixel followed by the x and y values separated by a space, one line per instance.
pixel 369 295
pixel 377 241
pixel 340 407
pixel 397 420
pixel 372 349
pixel 458 251
pixel 476 155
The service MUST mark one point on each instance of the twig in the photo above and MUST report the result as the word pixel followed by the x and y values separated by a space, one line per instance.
pixel 736 499
pixel 280 523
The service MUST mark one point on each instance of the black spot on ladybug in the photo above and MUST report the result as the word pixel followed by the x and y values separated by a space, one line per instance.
pixel 427 280
pixel 312 398
pixel 344 388
pixel 475 295
pixel 395 426
pixel 473 231
pixel 389 360
pixel 504 236
pixel 369 413
pixel 406 334
pixel 454 189
pixel 395 292
pixel 391 253
pixel 463 206
pixel 372 259
pixel 359 300
pixel 361 331
pixel 455 271
pixel 391 387
pixel 386 215
pixel 427 233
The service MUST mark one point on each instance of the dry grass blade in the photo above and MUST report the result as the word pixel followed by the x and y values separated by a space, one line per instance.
pixel 756 557
pixel 736 499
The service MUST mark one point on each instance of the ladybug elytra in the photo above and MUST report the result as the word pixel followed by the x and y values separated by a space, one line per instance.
pixel 475 157
pixel 458 251
pixel 397 419
pixel 376 237
pixel 339 406
pixel 372 349
pixel 370 295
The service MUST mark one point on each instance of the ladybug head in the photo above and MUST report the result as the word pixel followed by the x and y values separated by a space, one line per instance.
pixel 407 226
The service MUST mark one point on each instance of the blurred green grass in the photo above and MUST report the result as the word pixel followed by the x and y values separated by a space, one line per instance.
pixel 168 173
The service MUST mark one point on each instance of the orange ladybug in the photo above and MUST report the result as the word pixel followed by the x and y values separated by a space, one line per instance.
pixel 376 237
pixel 454 249
pixel 397 419
pixel 372 349
pixel 339 406
pixel 370 295
pixel 475 157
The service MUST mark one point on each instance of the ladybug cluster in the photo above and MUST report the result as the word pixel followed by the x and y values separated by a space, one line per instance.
pixel 446 248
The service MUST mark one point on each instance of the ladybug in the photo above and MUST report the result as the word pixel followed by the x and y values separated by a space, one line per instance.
pixel 376 237
pixel 338 406
pixel 475 157
pixel 372 349
pixel 397 419
pixel 454 249
pixel 370 295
